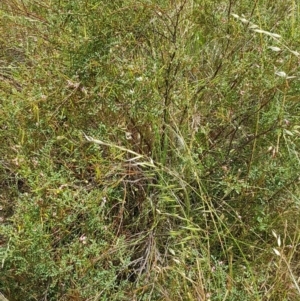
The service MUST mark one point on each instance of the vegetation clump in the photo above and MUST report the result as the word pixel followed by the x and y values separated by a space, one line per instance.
pixel 150 150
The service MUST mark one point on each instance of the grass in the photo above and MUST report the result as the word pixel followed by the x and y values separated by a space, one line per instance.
pixel 149 150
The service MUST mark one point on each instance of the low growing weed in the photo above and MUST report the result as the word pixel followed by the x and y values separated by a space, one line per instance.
pixel 149 150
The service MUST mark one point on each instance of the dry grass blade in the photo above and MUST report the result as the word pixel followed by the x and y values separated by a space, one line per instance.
pixel 2 298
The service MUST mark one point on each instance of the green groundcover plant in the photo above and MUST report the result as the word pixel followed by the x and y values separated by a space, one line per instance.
pixel 149 150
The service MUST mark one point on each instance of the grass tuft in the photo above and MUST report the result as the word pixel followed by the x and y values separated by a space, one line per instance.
pixel 150 150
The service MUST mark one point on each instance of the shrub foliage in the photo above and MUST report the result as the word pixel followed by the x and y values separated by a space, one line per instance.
pixel 150 150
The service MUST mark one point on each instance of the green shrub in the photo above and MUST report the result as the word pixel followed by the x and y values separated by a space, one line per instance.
pixel 148 150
